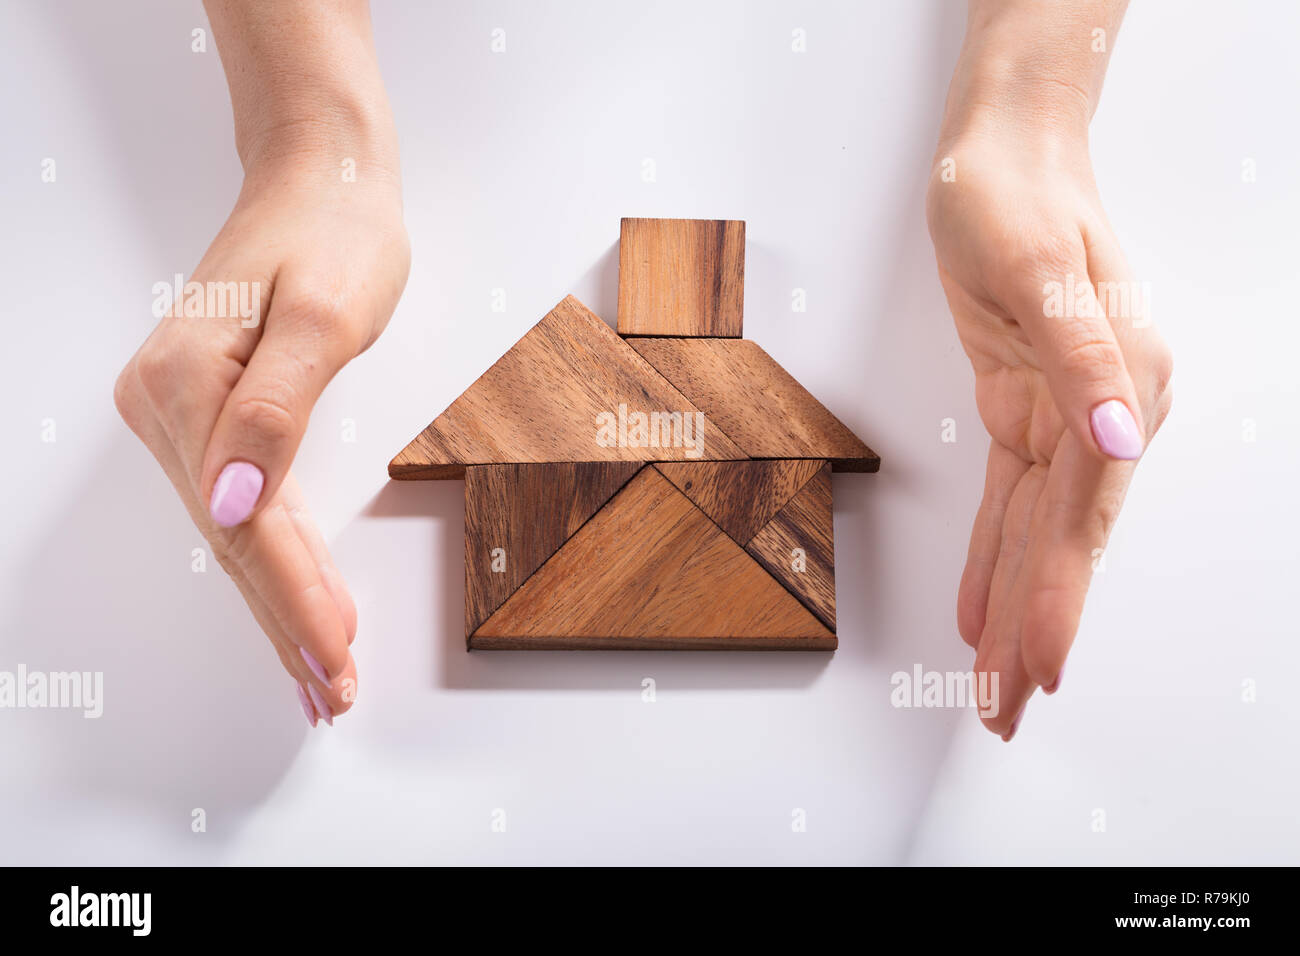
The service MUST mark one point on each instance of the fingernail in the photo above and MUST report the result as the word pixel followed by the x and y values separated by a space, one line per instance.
pixel 1056 684
pixel 315 666
pixel 1015 725
pixel 306 705
pixel 322 708
pixel 1116 431
pixel 235 493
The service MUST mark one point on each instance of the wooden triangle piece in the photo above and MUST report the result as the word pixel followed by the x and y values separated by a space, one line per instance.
pixel 540 402
pixel 798 548
pixel 650 570
pixel 755 401
pixel 741 496
pixel 518 515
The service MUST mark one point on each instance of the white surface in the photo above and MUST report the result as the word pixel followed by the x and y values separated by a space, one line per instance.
pixel 518 167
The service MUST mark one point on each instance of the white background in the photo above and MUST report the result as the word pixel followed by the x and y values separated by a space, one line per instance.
pixel 517 169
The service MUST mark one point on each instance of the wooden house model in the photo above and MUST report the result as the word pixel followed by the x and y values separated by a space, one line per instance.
pixel 666 486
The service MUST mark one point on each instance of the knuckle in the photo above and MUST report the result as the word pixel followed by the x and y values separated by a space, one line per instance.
pixel 1089 359
pixel 1089 523
pixel 1012 545
pixel 1162 365
pixel 267 416
pixel 1157 361
pixel 1044 255
pixel 156 366
pixel 1163 405
pixel 231 547
pixel 317 314
pixel 1041 278
pixel 127 398
pixel 1103 521
pixel 221 553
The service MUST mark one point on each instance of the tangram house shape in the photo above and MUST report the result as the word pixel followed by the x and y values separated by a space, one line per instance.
pixel 668 486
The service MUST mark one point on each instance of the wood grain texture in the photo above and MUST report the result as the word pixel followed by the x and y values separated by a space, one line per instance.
pixel 539 402
pixel 740 496
pixel 527 511
pixel 756 402
pixel 650 570
pixel 807 522
pixel 681 277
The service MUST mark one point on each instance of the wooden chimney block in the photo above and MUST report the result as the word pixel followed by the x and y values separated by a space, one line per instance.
pixel 681 277
pixel 518 515
pixel 798 547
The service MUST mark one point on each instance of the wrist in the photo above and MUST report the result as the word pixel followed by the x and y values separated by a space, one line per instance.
pixel 304 84
pixel 319 134
pixel 1013 99
pixel 1032 70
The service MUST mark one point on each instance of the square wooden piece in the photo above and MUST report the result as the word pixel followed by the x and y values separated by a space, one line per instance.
pixel 681 277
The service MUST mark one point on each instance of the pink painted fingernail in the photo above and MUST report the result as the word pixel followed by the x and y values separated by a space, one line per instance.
pixel 315 666
pixel 322 708
pixel 1116 431
pixel 1055 685
pixel 1015 725
pixel 235 493
pixel 306 705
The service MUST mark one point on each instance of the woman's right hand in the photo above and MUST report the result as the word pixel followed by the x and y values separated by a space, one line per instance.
pixel 317 251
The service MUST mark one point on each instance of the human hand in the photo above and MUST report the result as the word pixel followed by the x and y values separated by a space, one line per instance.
pixel 1072 381
pixel 222 402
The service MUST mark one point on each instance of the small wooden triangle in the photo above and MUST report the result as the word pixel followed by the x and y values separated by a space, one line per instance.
pixel 798 548
pixel 741 496
pixel 650 570
pixel 518 515
pixel 545 399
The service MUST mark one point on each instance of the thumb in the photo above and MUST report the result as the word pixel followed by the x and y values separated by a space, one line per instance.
pixel 261 424
pixel 1082 359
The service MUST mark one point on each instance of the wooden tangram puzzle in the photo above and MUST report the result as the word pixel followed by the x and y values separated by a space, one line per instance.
pixel 668 486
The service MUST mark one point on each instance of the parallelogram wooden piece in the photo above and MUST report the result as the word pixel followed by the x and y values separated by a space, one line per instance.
pixel 757 403
pixel 518 515
pixel 741 496
pixel 681 277
pixel 798 548
pixel 650 570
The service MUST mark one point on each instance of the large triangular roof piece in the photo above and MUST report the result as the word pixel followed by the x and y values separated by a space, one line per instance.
pixel 760 406
pixel 539 402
